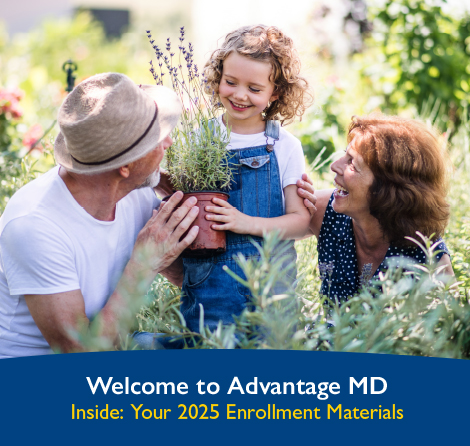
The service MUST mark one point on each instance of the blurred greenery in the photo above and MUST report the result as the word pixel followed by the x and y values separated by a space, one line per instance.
pixel 320 129
pixel 416 59
pixel 421 53
pixel 34 61
pixel 23 151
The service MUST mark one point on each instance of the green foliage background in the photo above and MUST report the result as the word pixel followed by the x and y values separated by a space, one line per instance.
pixel 415 62
pixel 424 54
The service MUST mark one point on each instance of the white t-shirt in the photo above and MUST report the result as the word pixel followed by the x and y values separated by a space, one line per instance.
pixel 288 150
pixel 50 244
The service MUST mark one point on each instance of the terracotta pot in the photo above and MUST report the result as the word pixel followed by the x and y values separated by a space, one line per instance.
pixel 208 241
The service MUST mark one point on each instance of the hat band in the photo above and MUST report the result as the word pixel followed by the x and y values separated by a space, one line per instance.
pixel 97 163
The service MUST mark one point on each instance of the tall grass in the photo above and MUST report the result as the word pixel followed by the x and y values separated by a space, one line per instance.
pixel 401 315
pixel 457 234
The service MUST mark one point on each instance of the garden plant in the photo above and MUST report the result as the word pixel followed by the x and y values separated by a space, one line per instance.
pixel 198 161
pixel 198 158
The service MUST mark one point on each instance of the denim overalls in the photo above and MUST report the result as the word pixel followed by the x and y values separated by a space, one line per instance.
pixel 256 191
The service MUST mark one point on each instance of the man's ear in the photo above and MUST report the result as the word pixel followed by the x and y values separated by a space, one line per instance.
pixel 125 171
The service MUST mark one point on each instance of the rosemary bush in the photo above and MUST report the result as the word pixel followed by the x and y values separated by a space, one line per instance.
pixel 397 314
pixel 198 159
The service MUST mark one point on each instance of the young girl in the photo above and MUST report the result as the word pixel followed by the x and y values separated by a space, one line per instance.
pixel 255 77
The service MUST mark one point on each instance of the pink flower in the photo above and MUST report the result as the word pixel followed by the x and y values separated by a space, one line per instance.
pixel 334 80
pixel 32 136
pixel 9 102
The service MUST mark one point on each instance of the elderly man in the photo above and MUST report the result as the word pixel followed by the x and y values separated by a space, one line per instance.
pixel 70 240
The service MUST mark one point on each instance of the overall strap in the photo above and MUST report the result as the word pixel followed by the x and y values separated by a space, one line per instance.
pixel 272 131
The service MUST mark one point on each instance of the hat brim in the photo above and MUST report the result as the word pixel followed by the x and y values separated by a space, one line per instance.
pixel 169 111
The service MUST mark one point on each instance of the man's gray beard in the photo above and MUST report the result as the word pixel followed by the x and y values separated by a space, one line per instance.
pixel 152 180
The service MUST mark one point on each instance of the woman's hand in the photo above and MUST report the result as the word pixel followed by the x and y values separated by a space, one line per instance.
pixel 306 191
pixel 232 219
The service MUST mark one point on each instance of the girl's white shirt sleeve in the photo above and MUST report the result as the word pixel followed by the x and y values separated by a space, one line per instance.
pixel 290 158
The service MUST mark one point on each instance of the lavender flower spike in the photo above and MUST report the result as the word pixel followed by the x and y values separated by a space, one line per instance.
pixel 322 268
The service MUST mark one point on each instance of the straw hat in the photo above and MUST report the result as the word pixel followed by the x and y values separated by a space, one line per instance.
pixel 107 121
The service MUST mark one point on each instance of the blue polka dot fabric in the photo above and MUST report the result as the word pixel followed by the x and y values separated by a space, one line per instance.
pixel 338 261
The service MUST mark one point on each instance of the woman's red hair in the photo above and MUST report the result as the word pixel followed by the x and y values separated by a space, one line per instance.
pixel 409 164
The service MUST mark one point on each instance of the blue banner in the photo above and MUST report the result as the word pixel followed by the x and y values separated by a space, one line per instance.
pixel 232 397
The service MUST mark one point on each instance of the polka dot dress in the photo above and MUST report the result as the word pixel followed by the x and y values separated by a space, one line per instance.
pixel 337 253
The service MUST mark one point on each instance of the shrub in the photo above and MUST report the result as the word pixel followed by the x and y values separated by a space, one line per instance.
pixel 419 52
pixel 19 148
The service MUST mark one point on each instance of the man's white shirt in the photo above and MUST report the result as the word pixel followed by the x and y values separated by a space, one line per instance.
pixel 49 244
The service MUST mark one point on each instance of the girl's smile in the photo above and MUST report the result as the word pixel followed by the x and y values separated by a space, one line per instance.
pixel 245 90
pixel 239 107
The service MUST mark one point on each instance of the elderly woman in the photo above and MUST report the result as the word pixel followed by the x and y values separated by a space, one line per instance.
pixel 390 183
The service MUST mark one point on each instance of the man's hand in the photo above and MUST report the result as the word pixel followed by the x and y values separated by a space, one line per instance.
pixel 158 244
pixel 306 191
pixel 232 219
pixel 164 187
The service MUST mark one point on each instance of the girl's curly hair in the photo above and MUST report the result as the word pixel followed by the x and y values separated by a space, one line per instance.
pixel 269 44
pixel 410 170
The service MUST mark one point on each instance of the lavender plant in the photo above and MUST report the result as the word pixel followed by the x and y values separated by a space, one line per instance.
pixel 198 159
pixel 366 275
pixel 326 269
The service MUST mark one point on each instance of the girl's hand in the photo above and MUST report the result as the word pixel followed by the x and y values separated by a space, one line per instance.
pixel 232 219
